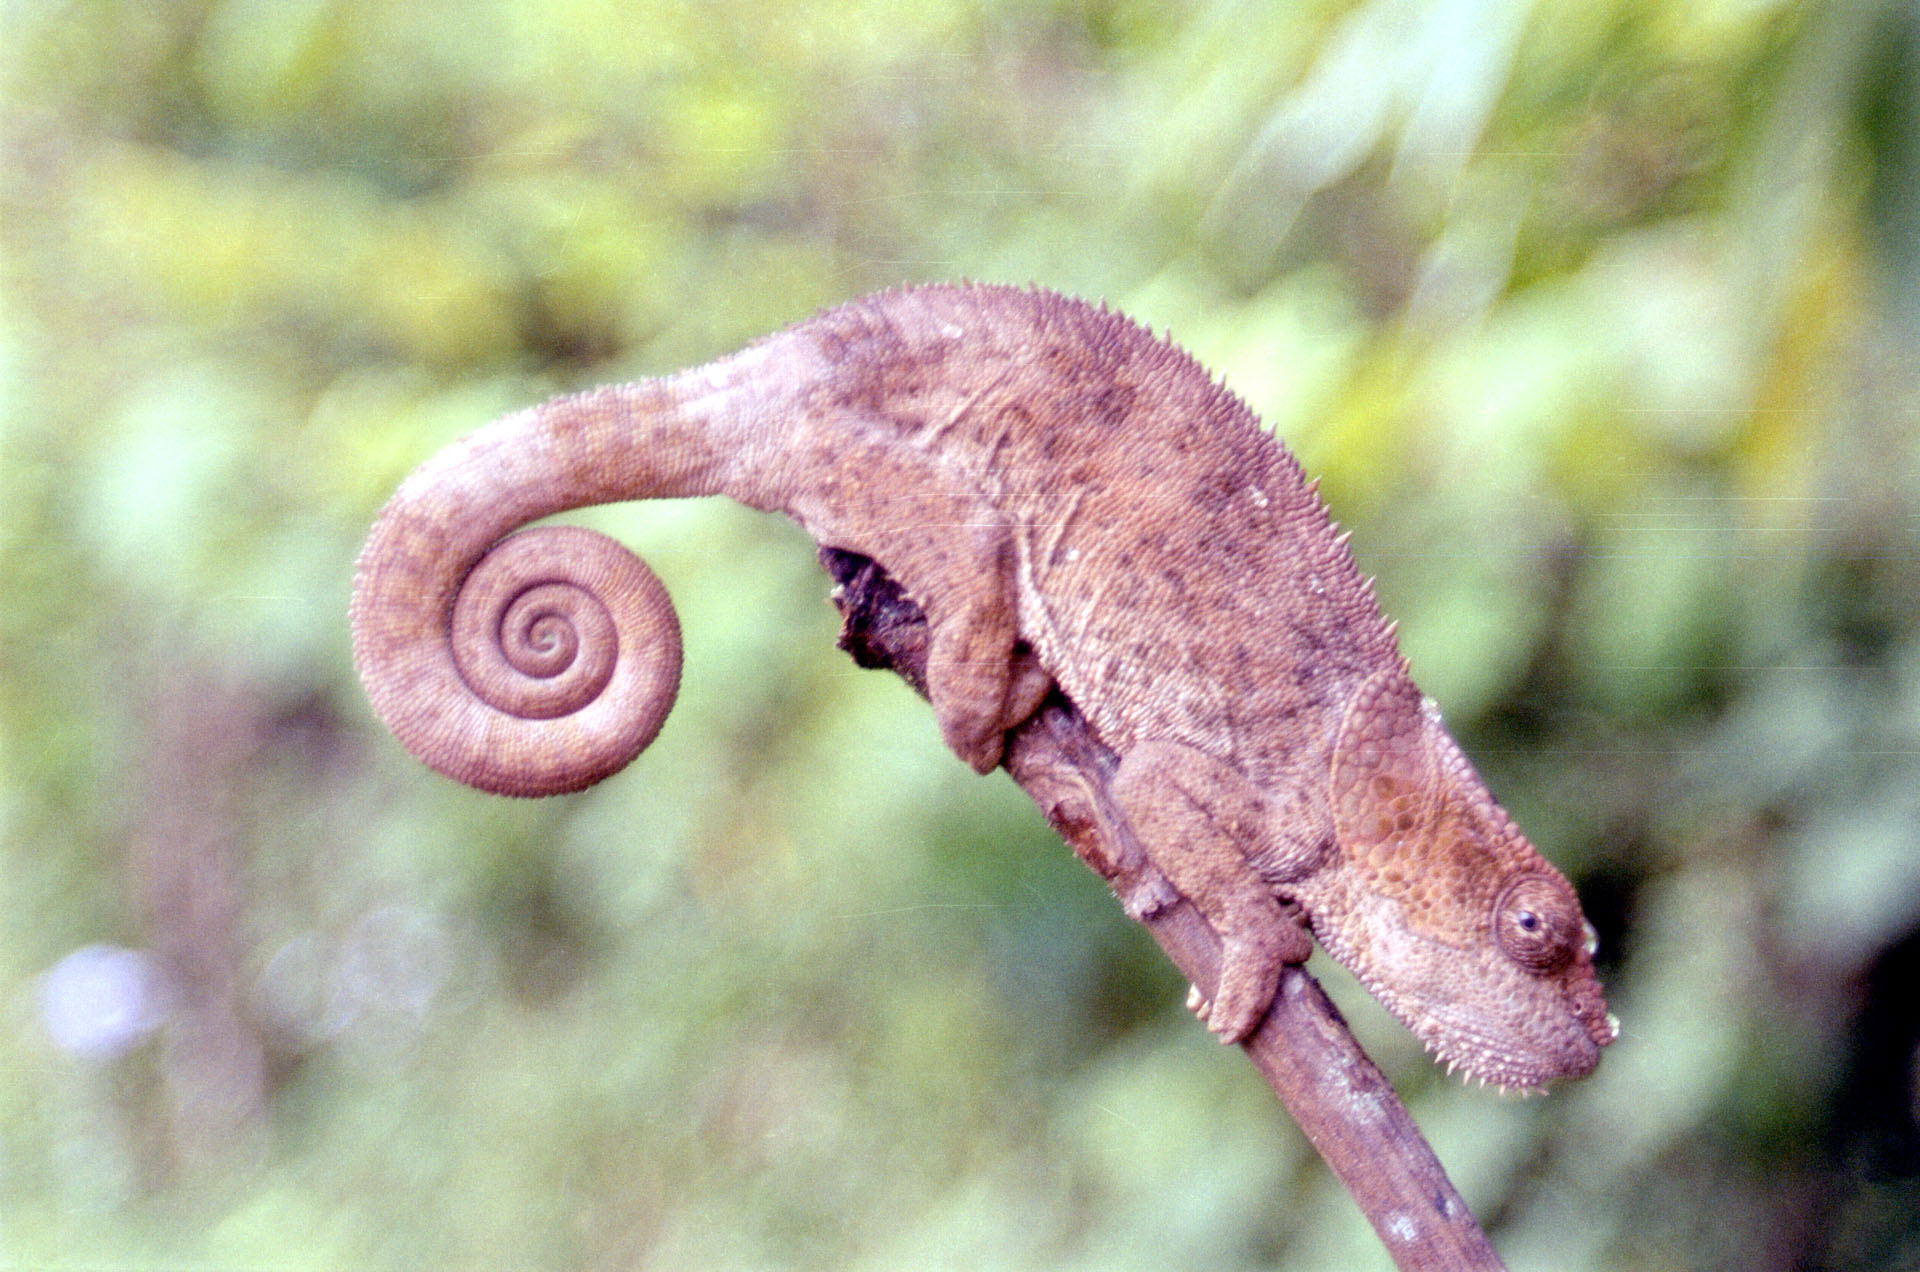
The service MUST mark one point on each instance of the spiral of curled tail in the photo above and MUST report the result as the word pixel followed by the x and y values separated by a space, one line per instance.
pixel 547 666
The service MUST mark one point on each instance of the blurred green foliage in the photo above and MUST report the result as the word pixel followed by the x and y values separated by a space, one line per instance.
pixel 1600 320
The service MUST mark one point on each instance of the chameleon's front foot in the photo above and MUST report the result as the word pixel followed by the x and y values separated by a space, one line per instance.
pixel 1196 819
pixel 1250 967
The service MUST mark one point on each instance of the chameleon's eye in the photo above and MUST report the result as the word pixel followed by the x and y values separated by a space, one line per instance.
pixel 1537 923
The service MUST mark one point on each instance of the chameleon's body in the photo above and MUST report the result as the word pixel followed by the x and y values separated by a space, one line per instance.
pixel 1070 501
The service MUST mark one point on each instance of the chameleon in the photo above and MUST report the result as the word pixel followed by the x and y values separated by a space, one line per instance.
pixel 1077 506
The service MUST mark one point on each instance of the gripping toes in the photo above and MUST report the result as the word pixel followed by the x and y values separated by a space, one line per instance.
pixel 1190 812
pixel 980 682
pixel 1250 966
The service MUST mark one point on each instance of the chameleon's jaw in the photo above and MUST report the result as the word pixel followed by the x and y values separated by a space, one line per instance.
pixel 1496 1062
pixel 1476 1012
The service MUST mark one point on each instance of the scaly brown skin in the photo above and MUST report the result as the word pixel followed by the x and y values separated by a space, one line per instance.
pixel 1071 501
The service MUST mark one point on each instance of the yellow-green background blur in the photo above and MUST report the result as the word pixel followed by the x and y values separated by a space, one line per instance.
pixel 1600 319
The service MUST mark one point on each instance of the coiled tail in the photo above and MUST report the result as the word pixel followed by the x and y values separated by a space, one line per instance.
pixel 537 662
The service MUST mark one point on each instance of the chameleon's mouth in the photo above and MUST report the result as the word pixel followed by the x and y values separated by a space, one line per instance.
pixel 1481 1017
pixel 1475 1055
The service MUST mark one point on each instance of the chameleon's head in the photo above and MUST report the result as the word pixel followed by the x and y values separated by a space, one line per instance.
pixel 1445 911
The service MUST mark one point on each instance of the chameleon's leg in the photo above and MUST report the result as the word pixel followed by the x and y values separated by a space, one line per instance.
pixel 955 558
pixel 1200 823
pixel 979 685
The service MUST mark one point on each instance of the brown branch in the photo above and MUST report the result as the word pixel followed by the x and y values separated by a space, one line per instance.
pixel 1303 1048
